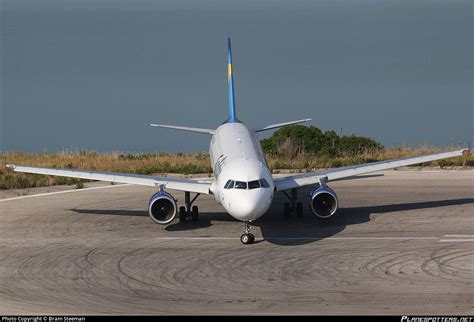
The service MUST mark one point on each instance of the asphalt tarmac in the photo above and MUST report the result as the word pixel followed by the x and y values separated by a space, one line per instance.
pixel 401 243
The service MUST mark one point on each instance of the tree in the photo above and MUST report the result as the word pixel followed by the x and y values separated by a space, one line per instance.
pixel 291 140
pixel 357 144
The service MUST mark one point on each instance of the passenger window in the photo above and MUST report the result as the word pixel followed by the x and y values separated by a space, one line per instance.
pixel 264 183
pixel 240 185
pixel 229 184
pixel 254 184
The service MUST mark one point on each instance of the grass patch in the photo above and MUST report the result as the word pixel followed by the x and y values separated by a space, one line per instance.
pixel 79 185
pixel 313 162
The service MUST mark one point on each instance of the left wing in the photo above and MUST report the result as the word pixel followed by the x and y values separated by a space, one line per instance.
pixel 346 172
pixel 170 183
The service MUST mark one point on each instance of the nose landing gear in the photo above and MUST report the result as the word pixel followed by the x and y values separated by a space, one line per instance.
pixel 247 238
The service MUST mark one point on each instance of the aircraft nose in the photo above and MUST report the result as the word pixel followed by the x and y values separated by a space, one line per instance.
pixel 241 210
pixel 250 205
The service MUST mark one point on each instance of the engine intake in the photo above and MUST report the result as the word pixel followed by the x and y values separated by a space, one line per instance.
pixel 162 208
pixel 323 201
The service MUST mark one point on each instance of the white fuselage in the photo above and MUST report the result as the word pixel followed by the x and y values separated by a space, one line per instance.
pixel 236 155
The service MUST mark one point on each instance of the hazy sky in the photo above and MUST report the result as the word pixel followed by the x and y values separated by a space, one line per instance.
pixel 78 74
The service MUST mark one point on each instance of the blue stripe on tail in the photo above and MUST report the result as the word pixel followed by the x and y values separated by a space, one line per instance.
pixel 230 81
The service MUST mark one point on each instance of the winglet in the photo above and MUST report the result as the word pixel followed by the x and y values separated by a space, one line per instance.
pixel 467 150
pixel 10 166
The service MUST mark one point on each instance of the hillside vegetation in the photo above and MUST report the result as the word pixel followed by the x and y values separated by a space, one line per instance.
pixel 293 147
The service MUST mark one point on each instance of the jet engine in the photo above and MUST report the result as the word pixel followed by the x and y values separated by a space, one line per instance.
pixel 162 208
pixel 323 201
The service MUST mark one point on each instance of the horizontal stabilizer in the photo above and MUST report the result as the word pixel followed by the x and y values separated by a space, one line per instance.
pixel 274 126
pixel 184 128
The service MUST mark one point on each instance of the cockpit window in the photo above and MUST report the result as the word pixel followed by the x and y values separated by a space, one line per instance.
pixel 254 184
pixel 240 185
pixel 229 184
pixel 260 183
pixel 264 183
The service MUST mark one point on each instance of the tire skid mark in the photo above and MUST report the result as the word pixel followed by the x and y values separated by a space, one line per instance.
pixel 436 265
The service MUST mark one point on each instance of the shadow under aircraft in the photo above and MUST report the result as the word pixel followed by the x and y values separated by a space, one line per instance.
pixel 293 231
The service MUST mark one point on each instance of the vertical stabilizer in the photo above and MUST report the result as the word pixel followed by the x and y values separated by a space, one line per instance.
pixel 230 83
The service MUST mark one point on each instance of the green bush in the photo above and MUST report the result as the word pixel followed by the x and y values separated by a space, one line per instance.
pixel 353 145
pixel 292 140
pixel 11 181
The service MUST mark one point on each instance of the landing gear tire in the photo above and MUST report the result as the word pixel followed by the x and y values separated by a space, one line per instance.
pixel 195 213
pixel 247 239
pixel 286 210
pixel 252 238
pixel 182 214
pixel 299 210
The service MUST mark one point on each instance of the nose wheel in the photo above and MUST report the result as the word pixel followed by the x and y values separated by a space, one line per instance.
pixel 247 238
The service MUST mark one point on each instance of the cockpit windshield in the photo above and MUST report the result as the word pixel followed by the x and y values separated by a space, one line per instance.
pixel 229 184
pixel 264 183
pixel 255 184
pixel 240 185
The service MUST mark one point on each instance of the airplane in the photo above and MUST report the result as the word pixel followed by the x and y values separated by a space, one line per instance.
pixel 243 183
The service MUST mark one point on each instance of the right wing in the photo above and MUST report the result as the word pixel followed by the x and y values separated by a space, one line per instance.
pixel 170 183
pixel 310 178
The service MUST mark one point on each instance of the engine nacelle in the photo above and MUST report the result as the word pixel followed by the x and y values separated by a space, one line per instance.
pixel 323 201
pixel 162 208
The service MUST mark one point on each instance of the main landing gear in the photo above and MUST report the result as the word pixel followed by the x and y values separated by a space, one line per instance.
pixel 186 210
pixel 247 238
pixel 293 206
